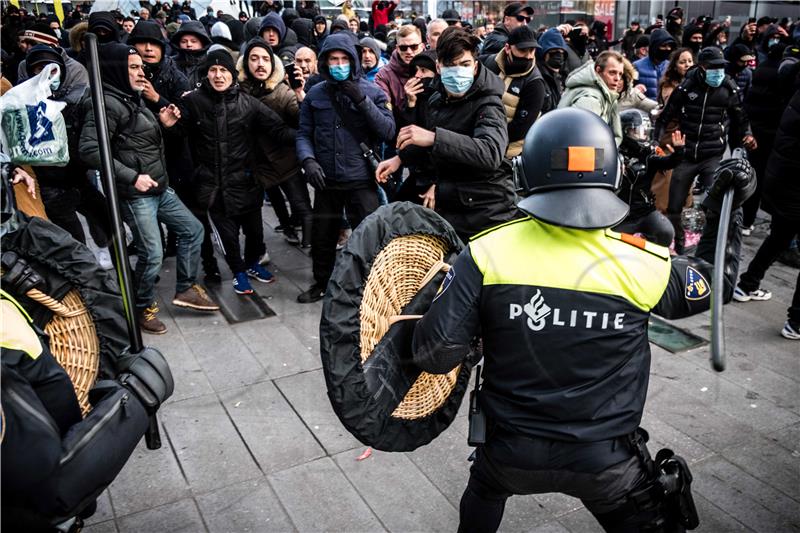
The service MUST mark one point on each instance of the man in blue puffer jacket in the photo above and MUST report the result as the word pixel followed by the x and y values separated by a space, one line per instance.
pixel 337 115
pixel 652 67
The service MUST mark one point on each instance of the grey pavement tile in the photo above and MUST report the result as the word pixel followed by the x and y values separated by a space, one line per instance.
pixel 663 435
pixel 150 478
pixel 580 521
pixel 276 347
pixel 788 437
pixel 104 510
pixel 208 447
pixel 524 512
pixel 190 379
pixel 398 493
pixel 444 461
pixel 189 321
pixel 549 527
pixel 318 497
pixel 308 395
pixel 109 526
pixel 225 359
pixel 713 519
pixel 305 325
pixel 249 506
pixel 272 430
pixel 178 517
pixel 281 297
pixel 743 497
pixel 770 462
pixel 715 391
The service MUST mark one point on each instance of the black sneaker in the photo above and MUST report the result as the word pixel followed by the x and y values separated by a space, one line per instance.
pixel 313 294
pixel 291 236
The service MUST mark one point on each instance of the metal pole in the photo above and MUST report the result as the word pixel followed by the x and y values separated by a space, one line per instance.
pixel 110 188
pixel 717 287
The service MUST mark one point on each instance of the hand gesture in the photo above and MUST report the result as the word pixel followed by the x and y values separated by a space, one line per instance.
pixel 414 135
pixel 21 176
pixel 169 115
pixel 749 142
pixel 144 183
pixel 678 140
pixel 387 168
pixel 149 92
pixel 429 198
pixel 413 87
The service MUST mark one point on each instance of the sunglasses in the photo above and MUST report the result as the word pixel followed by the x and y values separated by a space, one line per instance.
pixel 407 47
pixel 523 18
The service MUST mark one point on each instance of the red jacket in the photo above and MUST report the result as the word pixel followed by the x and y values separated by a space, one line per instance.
pixel 392 80
pixel 381 16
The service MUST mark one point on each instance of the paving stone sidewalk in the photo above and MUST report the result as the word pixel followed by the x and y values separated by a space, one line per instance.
pixel 251 444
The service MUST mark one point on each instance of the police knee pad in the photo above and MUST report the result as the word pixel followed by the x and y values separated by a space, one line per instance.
pixel 149 377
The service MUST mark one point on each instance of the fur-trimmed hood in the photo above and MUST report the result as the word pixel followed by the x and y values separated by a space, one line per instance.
pixel 278 71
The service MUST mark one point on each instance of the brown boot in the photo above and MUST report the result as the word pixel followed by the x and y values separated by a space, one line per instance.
pixel 195 297
pixel 149 322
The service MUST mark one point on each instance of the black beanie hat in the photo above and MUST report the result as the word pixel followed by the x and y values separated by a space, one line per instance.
pixel 42 53
pixel 221 58
pixel 146 31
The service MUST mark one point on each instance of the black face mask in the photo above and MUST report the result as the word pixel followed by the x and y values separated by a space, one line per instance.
pixel 694 47
pixel 555 61
pixel 673 26
pixel 735 68
pixel 516 65
pixel 660 55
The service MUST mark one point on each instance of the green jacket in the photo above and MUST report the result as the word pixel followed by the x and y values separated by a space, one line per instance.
pixel 587 91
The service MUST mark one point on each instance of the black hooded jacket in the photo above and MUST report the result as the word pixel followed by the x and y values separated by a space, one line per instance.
pixel 707 115
pixel 189 61
pixel 167 79
pixel 766 100
pixel 220 128
pixel 781 190
pixel 136 140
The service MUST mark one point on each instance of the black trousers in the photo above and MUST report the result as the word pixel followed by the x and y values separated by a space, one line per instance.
pixel 228 227
pixel 64 204
pixel 186 192
pixel 781 233
pixel 683 176
pixel 327 221
pixel 601 474
pixel 296 192
pixel 758 159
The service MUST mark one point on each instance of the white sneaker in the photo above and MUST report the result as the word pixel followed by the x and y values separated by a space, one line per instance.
pixel 790 331
pixel 103 257
pixel 264 258
pixel 759 295
pixel 748 231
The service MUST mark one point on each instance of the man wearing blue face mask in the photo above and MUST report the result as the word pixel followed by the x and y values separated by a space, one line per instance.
pixel 337 116
pixel 708 107
pixel 462 140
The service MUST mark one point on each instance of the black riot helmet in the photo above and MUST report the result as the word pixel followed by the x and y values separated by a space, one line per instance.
pixel 570 170
pixel 636 125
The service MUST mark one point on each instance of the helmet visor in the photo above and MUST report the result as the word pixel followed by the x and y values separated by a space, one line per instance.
pixel 640 132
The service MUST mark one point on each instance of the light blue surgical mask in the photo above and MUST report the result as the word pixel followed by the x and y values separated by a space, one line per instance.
pixel 773 42
pixel 457 80
pixel 339 72
pixel 715 76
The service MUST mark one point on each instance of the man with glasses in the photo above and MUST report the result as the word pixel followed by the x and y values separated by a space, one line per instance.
pixel 514 15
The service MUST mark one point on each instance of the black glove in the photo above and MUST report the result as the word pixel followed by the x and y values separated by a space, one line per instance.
pixel 732 173
pixel 352 90
pixel 315 176
pixel 18 276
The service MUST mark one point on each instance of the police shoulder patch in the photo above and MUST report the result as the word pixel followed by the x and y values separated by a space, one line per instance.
pixel 448 279
pixel 697 287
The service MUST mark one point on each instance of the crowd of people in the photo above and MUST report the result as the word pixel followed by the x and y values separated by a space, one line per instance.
pixel 210 117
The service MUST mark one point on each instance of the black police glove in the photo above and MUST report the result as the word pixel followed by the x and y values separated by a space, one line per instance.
pixel 352 90
pixel 314 174
pixel 732 173
pixel 18 276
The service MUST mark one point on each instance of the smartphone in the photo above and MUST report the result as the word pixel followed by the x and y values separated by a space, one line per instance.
pixel 751 20
pixel 294 83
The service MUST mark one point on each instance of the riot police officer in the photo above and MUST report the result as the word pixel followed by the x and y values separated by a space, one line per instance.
pixel 562 305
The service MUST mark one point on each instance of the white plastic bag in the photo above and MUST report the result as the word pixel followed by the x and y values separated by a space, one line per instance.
pixel 34 132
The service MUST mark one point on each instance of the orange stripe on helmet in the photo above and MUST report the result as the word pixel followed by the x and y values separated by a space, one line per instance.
pixel 580 159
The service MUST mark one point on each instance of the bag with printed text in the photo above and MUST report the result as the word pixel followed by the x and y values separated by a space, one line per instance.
pixel 33 129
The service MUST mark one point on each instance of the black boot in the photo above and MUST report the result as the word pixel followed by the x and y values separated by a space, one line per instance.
pixel 314 294
pixel 291 235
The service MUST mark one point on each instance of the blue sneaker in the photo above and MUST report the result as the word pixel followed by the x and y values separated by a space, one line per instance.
pixel 259 273
pixel 241 285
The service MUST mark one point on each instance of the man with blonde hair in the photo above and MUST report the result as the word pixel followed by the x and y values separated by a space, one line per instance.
pixel 393 77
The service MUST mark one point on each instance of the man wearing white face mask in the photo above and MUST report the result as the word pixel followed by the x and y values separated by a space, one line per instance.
pixel 707 106
pixel 463 140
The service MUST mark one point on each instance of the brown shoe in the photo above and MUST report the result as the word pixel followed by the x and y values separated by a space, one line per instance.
pixel 149 322
pixel 195 297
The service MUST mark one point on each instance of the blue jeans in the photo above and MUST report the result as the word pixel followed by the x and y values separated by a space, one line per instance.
pixel 143 216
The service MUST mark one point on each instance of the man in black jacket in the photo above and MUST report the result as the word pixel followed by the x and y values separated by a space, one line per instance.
pixel 707 107
pixel 515 15
pixel 219 120
pixel 463 140
pixel 191 42
pixel 143 185
pixel 525 88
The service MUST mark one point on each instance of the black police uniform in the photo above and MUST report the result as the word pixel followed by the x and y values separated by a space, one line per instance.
pixel 563 315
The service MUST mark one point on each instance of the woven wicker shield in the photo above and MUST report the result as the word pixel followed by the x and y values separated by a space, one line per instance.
pixel 391 268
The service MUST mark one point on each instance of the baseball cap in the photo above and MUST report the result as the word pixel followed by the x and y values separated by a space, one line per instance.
pixel 515 8
pixel 523 38
pixel 711 56
pixel 451 16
